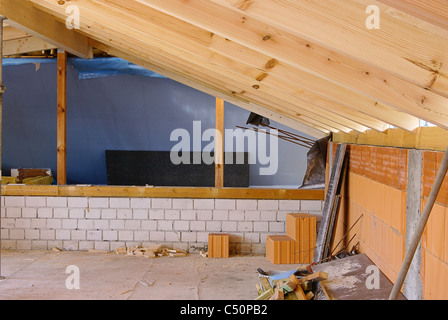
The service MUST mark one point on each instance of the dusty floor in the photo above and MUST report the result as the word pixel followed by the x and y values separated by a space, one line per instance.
pixel 32 275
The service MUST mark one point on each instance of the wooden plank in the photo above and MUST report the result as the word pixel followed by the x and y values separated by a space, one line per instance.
pixel 329 203
pixel 219 144
pixel 23 16
pixel 426 138
pixel 25 45
pixel 62 118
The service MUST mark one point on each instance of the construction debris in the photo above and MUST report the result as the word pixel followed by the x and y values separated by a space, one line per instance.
pixel 152 251
pixel 297 284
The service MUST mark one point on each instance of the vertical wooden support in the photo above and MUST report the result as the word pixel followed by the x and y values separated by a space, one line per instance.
pixel 219 144
pixel 62 118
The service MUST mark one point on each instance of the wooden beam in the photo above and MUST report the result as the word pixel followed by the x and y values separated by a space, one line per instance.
pixel 346 70
pixel 25 45
pixel 426 138
pixel 163 192
pixel 432 11
pixel 62 118
pixel 219 144
pixel 24 16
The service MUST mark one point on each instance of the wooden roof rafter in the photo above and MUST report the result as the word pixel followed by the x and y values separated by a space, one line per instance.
pixel 295 62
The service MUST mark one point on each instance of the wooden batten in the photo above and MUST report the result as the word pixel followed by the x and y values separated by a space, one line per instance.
pixel 62 118
pixel 219 144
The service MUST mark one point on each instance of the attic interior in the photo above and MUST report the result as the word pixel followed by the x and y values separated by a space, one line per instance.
pixel 234 135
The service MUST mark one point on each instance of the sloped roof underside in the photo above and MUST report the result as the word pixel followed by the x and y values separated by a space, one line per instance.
pixel 312 65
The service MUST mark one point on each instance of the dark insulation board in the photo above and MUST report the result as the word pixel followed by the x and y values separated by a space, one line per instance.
pixel 155 168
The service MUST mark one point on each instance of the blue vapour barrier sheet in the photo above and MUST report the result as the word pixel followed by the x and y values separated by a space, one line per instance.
pixel 92 69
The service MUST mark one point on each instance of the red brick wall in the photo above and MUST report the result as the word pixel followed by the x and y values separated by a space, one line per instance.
pixel 375 189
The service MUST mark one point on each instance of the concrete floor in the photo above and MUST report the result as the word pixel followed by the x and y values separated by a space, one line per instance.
pixel 32 275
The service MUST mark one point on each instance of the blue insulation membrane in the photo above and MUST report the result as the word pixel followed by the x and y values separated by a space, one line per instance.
pixel 92 69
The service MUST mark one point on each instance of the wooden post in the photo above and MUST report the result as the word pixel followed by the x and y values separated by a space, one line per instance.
pixel 219 144
pixel 62 118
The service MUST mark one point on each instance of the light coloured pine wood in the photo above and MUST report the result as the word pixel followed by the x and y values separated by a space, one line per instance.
pixel 62 118
pixel 219 144
pixel 23 16
pixel 307 55
pixel 163 192
pixel 25 45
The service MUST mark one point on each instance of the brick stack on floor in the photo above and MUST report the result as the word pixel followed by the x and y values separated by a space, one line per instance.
pixel 297 246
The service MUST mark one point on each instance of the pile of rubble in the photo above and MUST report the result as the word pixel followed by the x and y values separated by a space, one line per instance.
pixel 152 251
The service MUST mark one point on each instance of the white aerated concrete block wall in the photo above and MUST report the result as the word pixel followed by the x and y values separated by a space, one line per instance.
pixel 81 223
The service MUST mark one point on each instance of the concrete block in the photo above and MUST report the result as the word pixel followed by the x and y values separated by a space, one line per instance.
pixel 108 214
pixel 63 235
pixel 16 234
pixel 150 225
pixel 245 226
pixel 119 203
pixel 204 204
pixel 61 213
pixel 172 236
pixel 261 226
pixel 246 204
pixel 156 214
pixel 12 212
pixel 140 203
pixel 85 245
pixel 32 234
pixel 14 202
pixel 140 214
pixel 181 225
pixel 276 227
pixel 99 203
pixel 84 224
pixel 70 224
pixel 101 245
pixel 251 215
pixel 8 223
pixel 38 223
pixel 252 237
pixel 188 236
pixel 54 223
pixel 311 205
pixel 213 226
pixel 268 215
pixel 45 213
pixel 172 214
pixel 78 234
pixel 225 204
pixel 204 214
pixel 116 224
pixel 157 236
pixel 70 245
pixel 101 224
pixel 188 214
pixel 197 225
pixel 229 226
pixel 94 235
pixel 93 213
pixel 125 235
pixel 24 244
pixel 182 203
pixel 23 223
pixel 220 215
pixel 57 202
pixel 267 204
pixel 236 215
pixel 124 214
pixel 289 205
pixel 109 235
pixel 141 235
pixel 35 201
pixel 46 234
pixel 165 225
pixel 76 213
pixel 132 224
pixel 29 212
pixel 77 202
pixel 161 203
